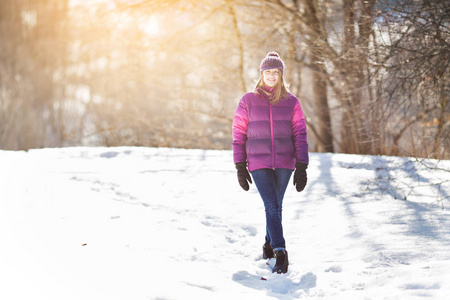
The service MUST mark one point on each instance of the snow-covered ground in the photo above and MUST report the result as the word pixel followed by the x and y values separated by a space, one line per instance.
pixel 155 223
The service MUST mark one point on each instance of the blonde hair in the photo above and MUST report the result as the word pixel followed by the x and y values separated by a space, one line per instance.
pixel 281 89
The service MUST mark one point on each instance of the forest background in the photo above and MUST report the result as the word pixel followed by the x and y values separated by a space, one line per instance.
pixel 372 76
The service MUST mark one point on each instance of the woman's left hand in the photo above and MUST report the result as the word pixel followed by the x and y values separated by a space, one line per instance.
pixel 300 178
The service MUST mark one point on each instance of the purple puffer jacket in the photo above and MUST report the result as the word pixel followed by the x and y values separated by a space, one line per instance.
pixel 269 136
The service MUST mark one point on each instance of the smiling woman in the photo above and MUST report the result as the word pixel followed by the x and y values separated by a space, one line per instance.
pixel 269 141
pixel 271 77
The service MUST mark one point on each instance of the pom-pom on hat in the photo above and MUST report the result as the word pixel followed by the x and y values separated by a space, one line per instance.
pixel 272 61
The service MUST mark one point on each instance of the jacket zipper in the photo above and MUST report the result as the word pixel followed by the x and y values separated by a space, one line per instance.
pixel 271 136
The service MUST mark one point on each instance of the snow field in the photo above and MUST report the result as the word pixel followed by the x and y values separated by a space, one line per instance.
pixel 158 223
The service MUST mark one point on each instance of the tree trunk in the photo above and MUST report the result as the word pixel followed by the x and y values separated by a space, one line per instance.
pixel 442 120
pixel 240 46
pixel 354 136
pixel 325 141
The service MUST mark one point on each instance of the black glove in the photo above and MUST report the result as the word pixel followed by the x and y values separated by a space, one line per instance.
pixel 300 177
pixel 243 175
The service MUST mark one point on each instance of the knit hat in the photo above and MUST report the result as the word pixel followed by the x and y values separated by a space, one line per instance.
pixel 272 61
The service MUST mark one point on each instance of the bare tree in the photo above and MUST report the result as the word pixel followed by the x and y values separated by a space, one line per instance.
pixel 33 34
pixel 416 83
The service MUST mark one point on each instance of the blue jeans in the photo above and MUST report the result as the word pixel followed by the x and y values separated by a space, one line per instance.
pixel 271 185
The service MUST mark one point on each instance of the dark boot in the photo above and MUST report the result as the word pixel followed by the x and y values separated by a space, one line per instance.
pixel 281 265
pixel 267 251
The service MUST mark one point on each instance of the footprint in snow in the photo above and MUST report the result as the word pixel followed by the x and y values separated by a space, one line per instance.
pixel 308 281
pixel 251 230
pixel 334 269
pixel 110 154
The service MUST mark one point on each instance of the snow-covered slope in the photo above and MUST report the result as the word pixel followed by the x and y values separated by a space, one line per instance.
pixel 145 223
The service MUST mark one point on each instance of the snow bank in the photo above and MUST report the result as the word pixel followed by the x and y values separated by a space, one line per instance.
pixel 158 223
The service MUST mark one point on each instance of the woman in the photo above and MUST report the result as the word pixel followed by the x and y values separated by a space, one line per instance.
pixel 269 137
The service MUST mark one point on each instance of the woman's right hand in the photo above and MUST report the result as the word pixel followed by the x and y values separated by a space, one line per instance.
pixel 243 175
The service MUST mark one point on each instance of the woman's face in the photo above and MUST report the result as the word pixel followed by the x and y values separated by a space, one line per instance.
pixel 271 77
